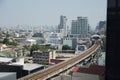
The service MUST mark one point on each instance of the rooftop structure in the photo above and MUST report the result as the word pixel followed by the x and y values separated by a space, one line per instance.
pixel 18 66
pixel 94 72
pixel 30 67
pixel 93 69
pixel 30 41
pixel 2 46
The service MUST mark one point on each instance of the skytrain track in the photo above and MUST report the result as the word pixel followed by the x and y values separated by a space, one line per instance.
pixel 41 75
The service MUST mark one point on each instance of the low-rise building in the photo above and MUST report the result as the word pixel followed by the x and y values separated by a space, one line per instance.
pixel 53 39
pixel 2 46
pixel 67 42
pixel 93 72
pixel 43 57
pixel 18 66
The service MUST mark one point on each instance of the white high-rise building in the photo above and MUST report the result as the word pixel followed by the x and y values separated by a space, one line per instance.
pixel 79 27
pixel 62 28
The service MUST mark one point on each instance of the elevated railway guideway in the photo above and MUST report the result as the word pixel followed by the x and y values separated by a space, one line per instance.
pixel 51 71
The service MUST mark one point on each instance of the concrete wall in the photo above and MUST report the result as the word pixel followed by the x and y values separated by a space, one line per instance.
pixel 67 42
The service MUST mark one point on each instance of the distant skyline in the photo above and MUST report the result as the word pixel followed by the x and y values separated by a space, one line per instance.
pixel 48 12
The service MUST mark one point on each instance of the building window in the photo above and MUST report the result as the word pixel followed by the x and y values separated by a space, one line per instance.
pixel 112 3
pixel 119 3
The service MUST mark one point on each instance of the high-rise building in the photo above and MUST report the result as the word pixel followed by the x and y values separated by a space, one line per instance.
pixel 79 27
pixel 62 28
pixel 112 71
pixel 101 25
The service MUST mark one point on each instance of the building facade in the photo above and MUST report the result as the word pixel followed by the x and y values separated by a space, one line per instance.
pixel 79 27
pixel 53 38
pixel 101 27
pixel 113 40
pixel 43 57
pixel 62 28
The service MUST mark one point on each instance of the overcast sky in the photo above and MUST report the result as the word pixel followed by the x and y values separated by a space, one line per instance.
pixel 47 12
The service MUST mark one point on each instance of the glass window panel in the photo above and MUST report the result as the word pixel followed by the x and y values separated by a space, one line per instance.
pixel 112 3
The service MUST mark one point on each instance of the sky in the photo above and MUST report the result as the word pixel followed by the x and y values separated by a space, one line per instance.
pixel 47 12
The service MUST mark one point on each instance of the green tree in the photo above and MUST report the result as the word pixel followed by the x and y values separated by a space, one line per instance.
pixel 23 36
pixel 45 62
pixel 38 35
pixel 9 42
pixel 66 47
pixel 5 41
pixel 70 73
pixel 46 47
pixel 34 48
pixel 27 47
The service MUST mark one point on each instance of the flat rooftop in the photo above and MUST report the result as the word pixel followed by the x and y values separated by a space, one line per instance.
pixel 4 59
pixel 30 67
pixel 7 76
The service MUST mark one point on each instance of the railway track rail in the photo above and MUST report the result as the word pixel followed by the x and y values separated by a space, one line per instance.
pixel 41 75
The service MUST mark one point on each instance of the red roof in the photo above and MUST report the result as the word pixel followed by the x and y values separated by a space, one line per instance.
pixel 56 61
pixel 93 69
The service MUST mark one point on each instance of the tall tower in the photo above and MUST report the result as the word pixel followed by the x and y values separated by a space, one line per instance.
pixel 112 71
pixel 100 26
pixel 79 27
pixel 62 28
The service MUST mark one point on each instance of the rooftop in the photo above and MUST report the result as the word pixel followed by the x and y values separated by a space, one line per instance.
pixel 93 69
pixel 2 54
pixel 30 67
pixel 31 40
pixel 3 45
pixel 55 61
pixel 3 59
